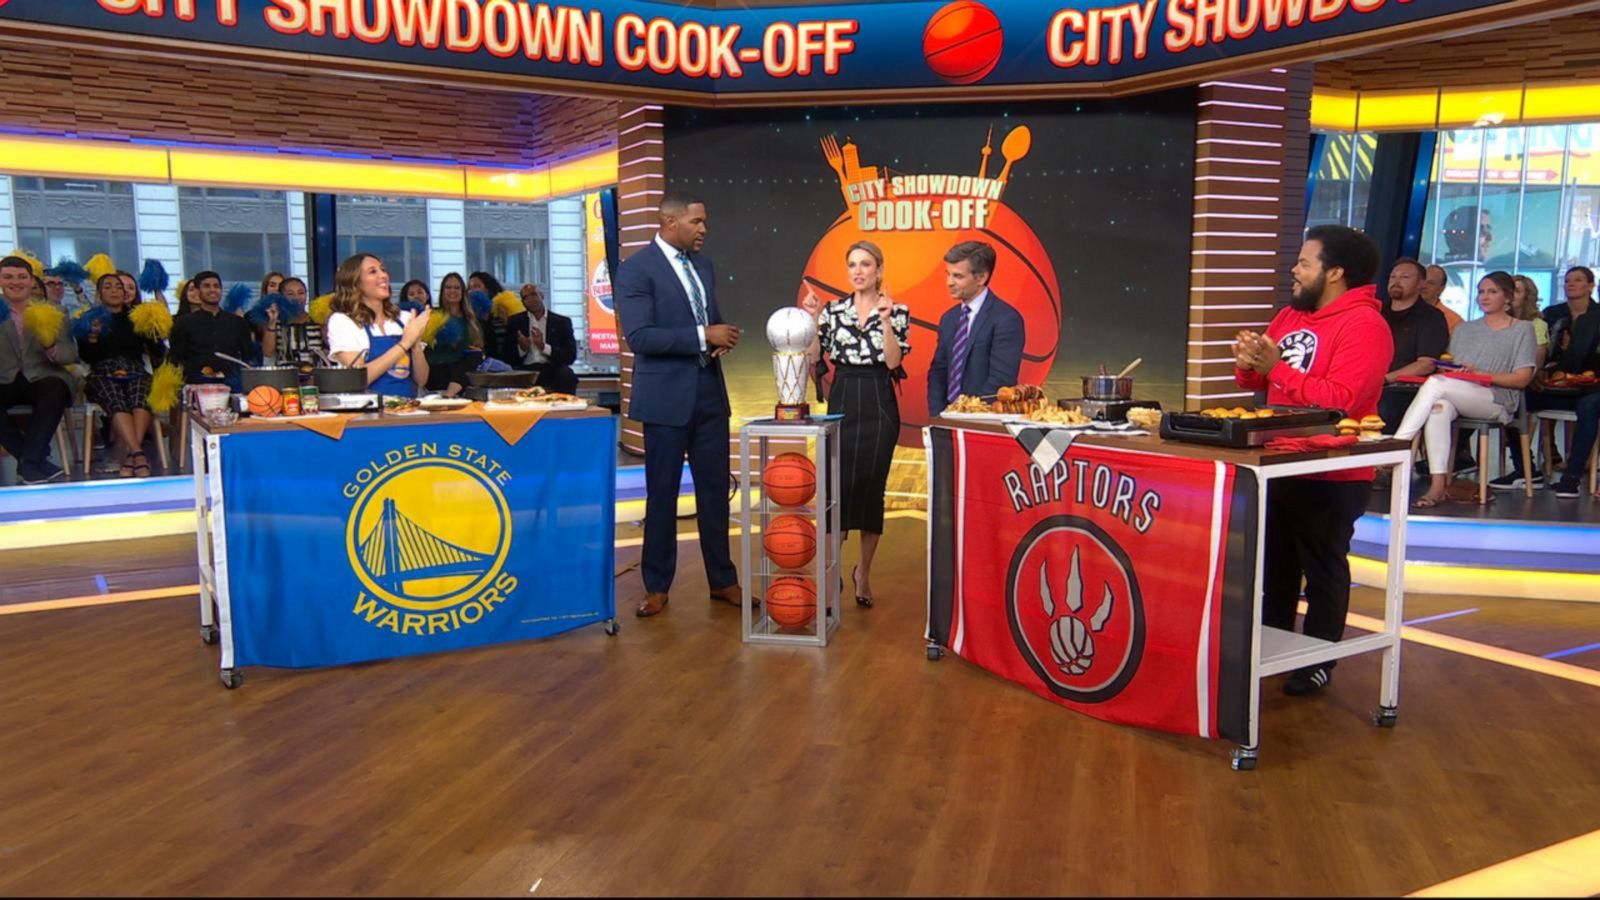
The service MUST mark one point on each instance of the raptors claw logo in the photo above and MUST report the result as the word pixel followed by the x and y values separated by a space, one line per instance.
pixel 1071 644
pixel 1299 349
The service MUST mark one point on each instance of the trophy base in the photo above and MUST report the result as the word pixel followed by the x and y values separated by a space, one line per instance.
pixel 791 412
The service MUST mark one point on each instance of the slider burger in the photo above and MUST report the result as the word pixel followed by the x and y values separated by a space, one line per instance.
pixel 1372 425
pixel 1348 427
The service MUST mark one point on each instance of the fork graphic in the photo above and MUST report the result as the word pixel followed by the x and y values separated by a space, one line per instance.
pixel 830 149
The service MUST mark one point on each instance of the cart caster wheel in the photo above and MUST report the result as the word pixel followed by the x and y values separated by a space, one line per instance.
pixel 935 652
pixel 232 678
pixel 208 634
pixel 1386 716
pixel 613 627
pixel 1244 759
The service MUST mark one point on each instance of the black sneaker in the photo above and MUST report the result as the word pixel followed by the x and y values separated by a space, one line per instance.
pixel 1308 681
pixel 1515 482
pixel 1568 489
pixel 41 473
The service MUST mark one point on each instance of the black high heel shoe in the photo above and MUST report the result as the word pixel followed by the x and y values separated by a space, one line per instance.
pixel 863 602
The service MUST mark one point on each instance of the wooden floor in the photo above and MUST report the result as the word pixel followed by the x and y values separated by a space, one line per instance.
pixel 675 760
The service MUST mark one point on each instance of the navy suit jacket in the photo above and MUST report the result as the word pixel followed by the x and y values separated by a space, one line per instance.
pixel 658 320
pixel 994 354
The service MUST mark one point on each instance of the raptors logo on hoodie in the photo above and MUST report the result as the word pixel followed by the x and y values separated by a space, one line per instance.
pixel 1299 349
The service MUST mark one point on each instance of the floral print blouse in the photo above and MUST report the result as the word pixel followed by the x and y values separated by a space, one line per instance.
pixel 843 340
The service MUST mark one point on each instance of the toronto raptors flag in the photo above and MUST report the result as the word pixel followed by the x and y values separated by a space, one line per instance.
pixel 1116 582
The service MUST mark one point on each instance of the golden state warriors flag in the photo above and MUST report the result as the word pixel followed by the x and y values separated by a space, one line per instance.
pixel 415 539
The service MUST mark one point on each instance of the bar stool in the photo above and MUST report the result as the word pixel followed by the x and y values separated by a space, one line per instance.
pixel 1547 420
pixel 1482 428
pixel 63 442
pixel 92 414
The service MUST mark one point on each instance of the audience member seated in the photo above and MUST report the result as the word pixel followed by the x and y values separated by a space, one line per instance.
pixel 1420 333
pixel 1499 346
pixel 119 382
pixel 544 342
pixel 32 373
pixel 197 338
pixel 457 343
pixel 1433 285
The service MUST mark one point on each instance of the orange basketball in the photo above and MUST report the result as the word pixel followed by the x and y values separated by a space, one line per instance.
pixel 790 541
pixel 790 479
pixel 962 42
pixel 265 401
pixel 792 601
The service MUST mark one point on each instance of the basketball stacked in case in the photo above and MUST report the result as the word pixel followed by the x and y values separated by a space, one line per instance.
pixel 790 540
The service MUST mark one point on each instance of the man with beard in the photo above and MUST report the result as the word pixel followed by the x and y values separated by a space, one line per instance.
pixel 1329 348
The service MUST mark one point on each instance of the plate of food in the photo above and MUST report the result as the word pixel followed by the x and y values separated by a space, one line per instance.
pixel 1059 417
pixel 441 402
pixel 403 406
pixel 534 398
pixel 1008 405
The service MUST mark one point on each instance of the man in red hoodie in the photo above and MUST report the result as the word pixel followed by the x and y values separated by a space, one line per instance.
pixel 1328 348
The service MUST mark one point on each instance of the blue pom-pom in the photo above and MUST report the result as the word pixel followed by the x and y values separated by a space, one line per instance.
pixel 258 311
pixel 238 298
pixel 5 312
pixel 482 305
pixel 154 277
pixel 452 334
pixel 411 306
pixel 69 271
pixel 288 310
pixel 490 364
pixel 83 325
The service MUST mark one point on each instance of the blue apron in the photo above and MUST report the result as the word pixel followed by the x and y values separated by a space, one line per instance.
pixel 397 381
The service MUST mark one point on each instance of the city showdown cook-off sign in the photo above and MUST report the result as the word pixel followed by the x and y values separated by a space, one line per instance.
pixel 813 48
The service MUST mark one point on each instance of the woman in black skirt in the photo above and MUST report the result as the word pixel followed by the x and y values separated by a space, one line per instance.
pixel 864 336
pixel 119 382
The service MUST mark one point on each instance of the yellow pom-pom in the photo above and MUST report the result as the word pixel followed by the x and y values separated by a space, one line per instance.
pixel 33 261
pixel 435 322
pixel 151 321
pixel 507 304
pixel 98 265
pixel 165 385
pixel 44 322
pixel 320 309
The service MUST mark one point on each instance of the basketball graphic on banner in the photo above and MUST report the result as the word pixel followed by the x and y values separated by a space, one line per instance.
pixel 962 42
pixel 1075 610
pixel 940 211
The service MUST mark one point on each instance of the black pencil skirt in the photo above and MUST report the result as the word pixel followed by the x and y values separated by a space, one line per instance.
pixel 867 436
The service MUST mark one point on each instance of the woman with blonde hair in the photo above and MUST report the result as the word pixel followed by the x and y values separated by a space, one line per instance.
pixel 1525 306
pixel 864 335
pixel 367 329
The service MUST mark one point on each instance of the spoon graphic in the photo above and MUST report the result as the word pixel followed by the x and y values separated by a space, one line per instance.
pixel 1016 145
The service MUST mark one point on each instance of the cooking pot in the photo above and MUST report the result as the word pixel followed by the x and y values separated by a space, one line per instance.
pixel 281 377
pixel 502 379
pixel 1107 387
pixel 340 381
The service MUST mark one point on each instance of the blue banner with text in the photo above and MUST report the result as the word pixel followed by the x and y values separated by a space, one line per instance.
pixel 401 540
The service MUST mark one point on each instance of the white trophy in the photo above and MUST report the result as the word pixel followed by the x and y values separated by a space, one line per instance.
pixel 790 331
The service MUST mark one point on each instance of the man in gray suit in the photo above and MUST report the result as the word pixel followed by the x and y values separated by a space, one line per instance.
pixel 31 374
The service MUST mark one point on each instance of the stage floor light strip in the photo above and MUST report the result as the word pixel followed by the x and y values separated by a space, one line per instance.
pixel 1484 652
pixel 1479 582
pixel 1448 615
pixel 167 593
pixel 1566 869
pixel 1559 654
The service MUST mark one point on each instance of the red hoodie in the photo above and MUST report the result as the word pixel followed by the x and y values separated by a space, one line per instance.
pixel 1334 358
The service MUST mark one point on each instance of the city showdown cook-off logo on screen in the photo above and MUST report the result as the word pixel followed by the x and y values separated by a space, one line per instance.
pixel 915 219
pixel 428 535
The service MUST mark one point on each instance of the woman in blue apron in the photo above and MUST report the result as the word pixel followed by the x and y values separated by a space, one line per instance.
pixel 368 329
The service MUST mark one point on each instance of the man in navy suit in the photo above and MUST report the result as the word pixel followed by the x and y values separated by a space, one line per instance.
pixel 667 305
pixel 980 338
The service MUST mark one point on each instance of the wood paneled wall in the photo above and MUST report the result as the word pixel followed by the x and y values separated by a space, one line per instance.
pixel 1563 48
pixel 84 92
pixel 1251 147
pixel 641 180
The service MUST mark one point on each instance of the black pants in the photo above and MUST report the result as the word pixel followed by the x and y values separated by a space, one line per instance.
pixel 705 440
pixel 49 398
pixel 871 427
pixel 1309 526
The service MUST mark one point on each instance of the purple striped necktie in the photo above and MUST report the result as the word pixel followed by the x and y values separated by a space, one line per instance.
pixel 958 354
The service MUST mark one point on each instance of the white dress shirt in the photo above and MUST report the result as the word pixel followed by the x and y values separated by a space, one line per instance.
pixel 539 353
pixel 683 279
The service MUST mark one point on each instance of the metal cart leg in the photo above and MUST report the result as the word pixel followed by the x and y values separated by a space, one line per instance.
pixel 1244 758
pixel 1394 595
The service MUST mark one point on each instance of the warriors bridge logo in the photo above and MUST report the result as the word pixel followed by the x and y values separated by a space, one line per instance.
pixel 428 536
pixel 915 218
pixel 1075 610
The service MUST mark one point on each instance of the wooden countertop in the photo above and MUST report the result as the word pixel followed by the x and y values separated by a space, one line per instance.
pixel 253 425
pixel 1254 457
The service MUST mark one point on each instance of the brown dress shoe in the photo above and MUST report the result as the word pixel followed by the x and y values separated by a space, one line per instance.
pixel 730 594
pixel 650 605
